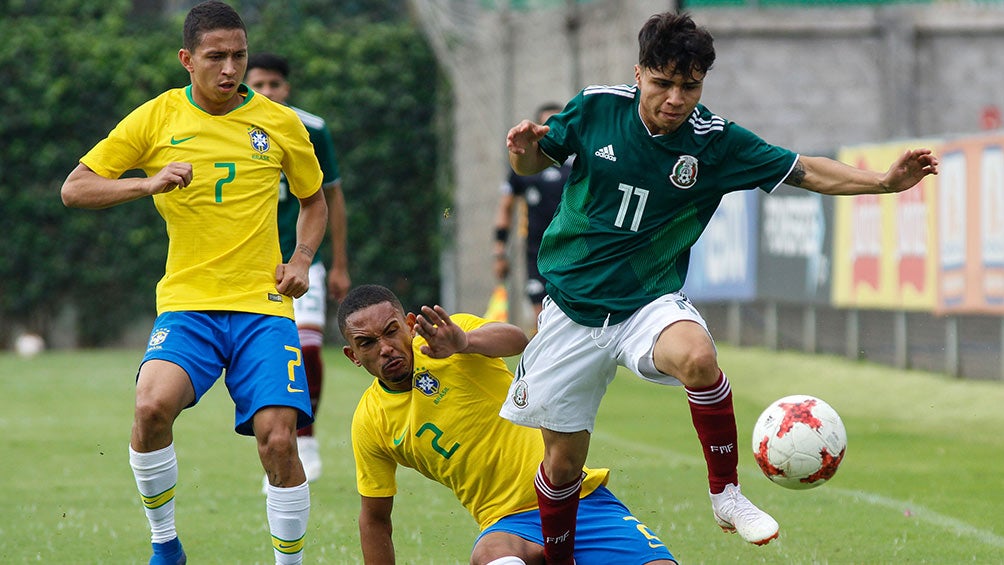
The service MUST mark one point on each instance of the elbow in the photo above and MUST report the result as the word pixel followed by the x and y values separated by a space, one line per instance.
pixel 519 342
pixel 69 196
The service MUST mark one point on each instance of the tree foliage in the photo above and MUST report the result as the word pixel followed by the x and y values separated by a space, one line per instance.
pixel 74 68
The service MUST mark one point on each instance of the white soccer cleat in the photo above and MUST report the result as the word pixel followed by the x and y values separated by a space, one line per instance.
pixel 310 456
pixel 735 513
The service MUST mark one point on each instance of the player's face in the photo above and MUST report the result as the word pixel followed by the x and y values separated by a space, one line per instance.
pixel 269 83
pixel 667 97
pixel 217 68
pixel 379 338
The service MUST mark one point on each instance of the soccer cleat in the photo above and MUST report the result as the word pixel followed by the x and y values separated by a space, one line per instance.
pixel 168 553
pixel 735 513
pixel 310 456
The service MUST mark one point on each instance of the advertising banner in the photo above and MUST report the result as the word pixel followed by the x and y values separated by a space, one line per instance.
pixel 885 246
pixel 796 240
pixel 723 261
pixel 971 225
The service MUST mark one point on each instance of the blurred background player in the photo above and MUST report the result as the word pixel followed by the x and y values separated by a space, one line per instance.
pixel 268 74
pixel 540 194
pixel 213 153
pixel 434 407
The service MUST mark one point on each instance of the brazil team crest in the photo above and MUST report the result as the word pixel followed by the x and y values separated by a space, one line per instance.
pixel 426 383
pixel 157 337
pixel 259 140
pixel 684 173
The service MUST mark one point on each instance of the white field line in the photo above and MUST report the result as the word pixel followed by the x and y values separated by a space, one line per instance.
pixel 916 511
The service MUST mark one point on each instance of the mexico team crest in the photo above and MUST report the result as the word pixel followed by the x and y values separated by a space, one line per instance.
pixel 519 394
pixel 259 140
pixel 684 173
pixel 426 383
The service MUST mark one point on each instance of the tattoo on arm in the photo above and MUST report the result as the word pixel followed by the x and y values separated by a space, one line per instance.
pixel 797 175
pixel 305 250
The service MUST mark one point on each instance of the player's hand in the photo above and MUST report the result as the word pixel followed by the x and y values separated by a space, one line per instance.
pixel 524 136
pixel 911 167
pixel 443 336
pixel 338 284
pixel 172 176
pixel 292 279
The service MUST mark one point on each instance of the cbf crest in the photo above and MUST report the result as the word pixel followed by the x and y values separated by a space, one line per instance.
pixel 684 174
pixel 259 139
pixel 157 337
pixel 426 383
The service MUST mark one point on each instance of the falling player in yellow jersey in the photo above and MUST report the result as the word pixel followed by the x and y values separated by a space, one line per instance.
pixel 212 153
pixel 434 407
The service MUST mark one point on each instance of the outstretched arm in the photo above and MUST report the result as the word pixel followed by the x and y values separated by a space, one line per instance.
pixel 525 155
pixel 375 529
pixel 826 176
pixel 445 338
pixel 83 188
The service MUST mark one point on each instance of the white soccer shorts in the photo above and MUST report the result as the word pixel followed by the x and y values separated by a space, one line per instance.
pixel 566 368
pixel 311 308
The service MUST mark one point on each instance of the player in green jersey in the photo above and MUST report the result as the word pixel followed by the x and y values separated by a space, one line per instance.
pixel 433 406
pixel 651 166
pixel 213 152
pixel 268 74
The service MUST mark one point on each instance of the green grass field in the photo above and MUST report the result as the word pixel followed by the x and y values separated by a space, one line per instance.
pixel 921 481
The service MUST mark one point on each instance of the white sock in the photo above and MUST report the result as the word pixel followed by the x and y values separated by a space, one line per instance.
pixel 156 475
pixel 288 510
pixel 510 560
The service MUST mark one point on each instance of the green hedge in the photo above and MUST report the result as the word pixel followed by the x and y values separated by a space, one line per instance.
pixel 73 68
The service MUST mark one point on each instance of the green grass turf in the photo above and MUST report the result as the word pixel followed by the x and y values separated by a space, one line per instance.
pixel 921 481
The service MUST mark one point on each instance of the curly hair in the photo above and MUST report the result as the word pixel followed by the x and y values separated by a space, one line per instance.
pixel 671 41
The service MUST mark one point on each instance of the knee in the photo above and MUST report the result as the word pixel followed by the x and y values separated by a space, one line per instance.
pixel 699 368
pixel 276 443
pixel 153 415
pixel 563 460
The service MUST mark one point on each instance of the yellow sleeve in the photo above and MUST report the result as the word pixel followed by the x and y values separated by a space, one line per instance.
pixel 375 467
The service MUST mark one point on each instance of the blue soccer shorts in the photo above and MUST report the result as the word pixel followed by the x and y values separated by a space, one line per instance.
pixel 605 532
pixel 258 356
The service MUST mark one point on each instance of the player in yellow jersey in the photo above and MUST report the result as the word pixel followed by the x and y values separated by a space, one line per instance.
pixel 434 407
pixel 213 152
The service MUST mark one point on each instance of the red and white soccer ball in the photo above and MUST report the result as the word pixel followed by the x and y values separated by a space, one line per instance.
pixel 799 441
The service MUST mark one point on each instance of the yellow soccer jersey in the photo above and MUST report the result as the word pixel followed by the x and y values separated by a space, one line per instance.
pixel 448 428
pixel 224 242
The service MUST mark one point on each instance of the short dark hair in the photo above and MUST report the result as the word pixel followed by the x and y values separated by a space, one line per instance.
pixel 365 296
pixel 269 62
pixel 208 16
pixel 673 41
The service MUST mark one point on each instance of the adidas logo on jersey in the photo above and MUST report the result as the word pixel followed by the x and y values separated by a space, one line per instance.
pixel 606 153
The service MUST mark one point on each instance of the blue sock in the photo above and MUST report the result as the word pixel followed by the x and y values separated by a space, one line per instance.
pixel 168 553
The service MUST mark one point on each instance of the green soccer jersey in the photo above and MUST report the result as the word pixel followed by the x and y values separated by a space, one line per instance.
pixel 289 207
pixel 635 203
